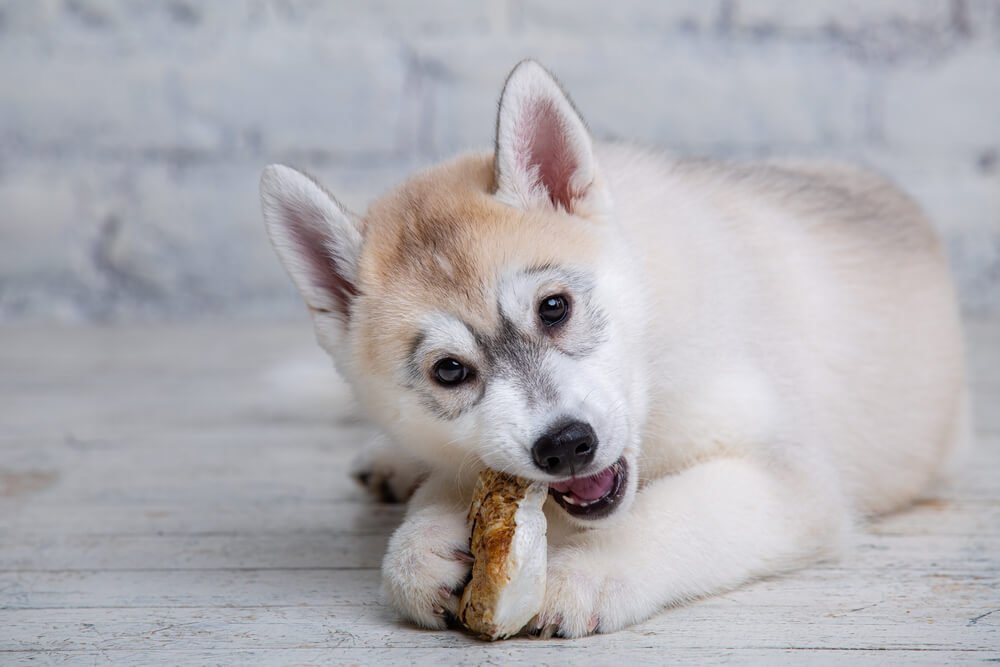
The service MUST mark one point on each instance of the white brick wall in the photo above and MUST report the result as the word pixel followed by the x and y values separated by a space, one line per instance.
pixel 132 131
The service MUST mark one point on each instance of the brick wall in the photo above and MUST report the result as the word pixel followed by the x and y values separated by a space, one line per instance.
pixel 132 133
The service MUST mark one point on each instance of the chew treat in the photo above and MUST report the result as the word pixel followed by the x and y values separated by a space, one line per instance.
pixel 509 547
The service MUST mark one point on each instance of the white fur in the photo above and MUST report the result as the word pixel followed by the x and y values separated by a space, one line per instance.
pixel 423 568
pixel 783 356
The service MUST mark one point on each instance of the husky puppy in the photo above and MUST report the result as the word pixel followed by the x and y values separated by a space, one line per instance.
pixel 717 368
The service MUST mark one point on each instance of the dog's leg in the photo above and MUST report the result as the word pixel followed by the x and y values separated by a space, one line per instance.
pixel 707 529
pixel 427 563
pixel 387 471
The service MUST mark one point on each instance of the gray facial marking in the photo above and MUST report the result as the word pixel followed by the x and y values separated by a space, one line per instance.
pixel 417 381
pixel 514 354
pixel 449 413
pixel 519 357
pixel 414 373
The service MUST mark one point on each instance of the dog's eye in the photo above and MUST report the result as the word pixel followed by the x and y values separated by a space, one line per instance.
pixel 553 309
pixel 451 372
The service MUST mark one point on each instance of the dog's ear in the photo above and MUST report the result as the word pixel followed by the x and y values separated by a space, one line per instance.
pixel 317 240
pixel 544 153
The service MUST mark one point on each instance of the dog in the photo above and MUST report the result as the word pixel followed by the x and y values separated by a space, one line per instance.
pixel 719 368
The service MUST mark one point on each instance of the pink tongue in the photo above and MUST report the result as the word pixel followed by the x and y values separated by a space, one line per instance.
pixel 588 488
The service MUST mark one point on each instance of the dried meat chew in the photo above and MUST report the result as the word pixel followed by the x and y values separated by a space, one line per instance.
pixel 509 547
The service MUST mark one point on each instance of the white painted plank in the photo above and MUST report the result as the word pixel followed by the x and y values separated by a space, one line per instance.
pixel 363 550
pixel 223 516
pixel 577 653
pixel 837 591
pixel 696 626
pixel 271 516
pixel 158 552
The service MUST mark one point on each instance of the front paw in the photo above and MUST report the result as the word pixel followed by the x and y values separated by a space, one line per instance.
pixel 581 598
pixel 426 568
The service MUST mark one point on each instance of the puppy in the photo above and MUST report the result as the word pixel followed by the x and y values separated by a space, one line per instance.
pixel 716 367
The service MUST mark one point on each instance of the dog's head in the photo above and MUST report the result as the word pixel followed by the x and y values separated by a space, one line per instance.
pixel 486 311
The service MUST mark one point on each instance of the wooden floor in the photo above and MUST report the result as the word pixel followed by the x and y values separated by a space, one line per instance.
pixel 170 496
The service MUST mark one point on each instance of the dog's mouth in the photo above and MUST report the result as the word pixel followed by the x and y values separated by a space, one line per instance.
pixel 593 497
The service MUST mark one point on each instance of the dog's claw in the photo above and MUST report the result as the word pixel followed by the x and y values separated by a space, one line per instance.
pixel 379 487
pixel 462 555
pixel 385 493
pixel 450 619
pixel 541 628
pixel 387 474
pixel 549 631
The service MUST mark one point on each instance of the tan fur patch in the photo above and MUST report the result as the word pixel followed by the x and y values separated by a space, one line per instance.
pixel 440 241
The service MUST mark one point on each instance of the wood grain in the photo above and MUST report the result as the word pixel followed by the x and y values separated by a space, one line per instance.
pixel 162 502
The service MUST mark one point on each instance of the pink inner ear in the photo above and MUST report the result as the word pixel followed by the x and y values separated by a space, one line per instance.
pixel 304 228
pixel 543 143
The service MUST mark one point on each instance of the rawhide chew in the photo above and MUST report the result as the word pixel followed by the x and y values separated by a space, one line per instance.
pixel 509 547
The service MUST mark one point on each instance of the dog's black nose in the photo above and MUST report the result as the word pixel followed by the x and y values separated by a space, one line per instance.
pixel 568 447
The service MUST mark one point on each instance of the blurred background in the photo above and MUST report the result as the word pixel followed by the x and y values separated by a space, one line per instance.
pixel 132 133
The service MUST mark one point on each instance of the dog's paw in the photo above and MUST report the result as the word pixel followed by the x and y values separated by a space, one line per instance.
pixel 388 474
pixel 426 567
pixel 581 598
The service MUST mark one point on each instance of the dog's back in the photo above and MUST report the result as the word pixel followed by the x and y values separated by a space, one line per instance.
pixel 831 281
